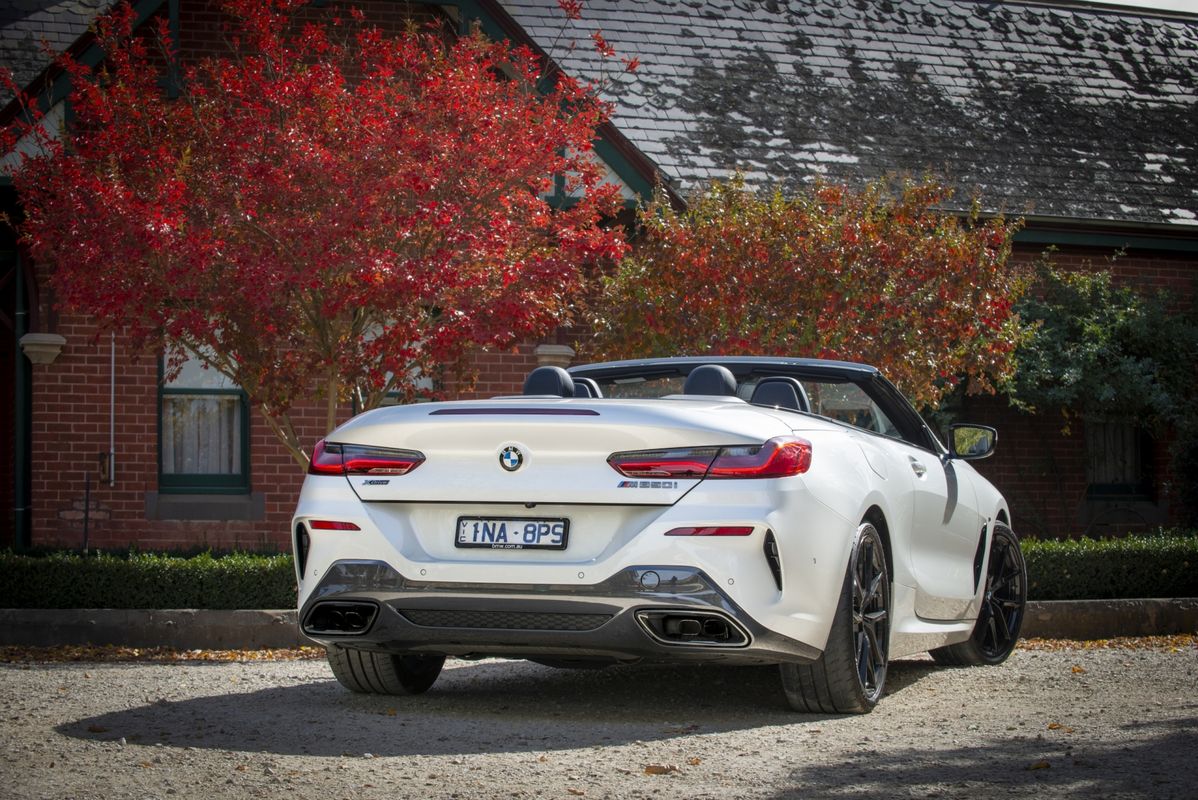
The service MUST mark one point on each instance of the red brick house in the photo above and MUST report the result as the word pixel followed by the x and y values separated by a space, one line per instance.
pixel 1077 115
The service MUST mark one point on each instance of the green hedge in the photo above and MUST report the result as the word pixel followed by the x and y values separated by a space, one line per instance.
pixel 146 580
pixel 1160 565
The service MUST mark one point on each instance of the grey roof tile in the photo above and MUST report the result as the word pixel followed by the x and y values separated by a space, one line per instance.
pixel 1053 108
pixel 27 27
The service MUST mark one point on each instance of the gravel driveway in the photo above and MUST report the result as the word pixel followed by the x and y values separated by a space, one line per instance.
pixel 1109 723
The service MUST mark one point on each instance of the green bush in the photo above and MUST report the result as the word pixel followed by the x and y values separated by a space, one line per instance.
pixel 1161 565
pixel 146 580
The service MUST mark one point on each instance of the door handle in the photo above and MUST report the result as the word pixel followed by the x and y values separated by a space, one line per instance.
pixel 919 469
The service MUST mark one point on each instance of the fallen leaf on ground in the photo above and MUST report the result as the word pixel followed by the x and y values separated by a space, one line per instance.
pixel 1055 726
pixel 1078 669
pixel 660 769
pixel 694 761
pixel 1039 765
pixel 96 729
pixel 1172 643
pixel 576 792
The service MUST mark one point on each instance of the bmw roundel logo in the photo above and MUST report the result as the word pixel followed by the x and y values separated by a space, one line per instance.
pixel 510 458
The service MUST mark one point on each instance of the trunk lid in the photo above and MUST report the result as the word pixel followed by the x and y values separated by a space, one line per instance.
pixel 562 445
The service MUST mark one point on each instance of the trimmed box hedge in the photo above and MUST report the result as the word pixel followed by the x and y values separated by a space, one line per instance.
pixel 1158 565
pixel 146 580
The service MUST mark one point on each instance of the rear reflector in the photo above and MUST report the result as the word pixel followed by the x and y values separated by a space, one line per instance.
pixel 780 457
pixel 330 458
pixel 713 530
pixel 331 525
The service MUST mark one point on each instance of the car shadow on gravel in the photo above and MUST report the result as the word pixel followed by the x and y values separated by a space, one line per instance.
pixel 1156 762
pixel 487 706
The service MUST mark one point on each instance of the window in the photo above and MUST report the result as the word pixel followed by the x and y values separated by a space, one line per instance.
pixel 848 403
pixel 1116 459
pixel 203 433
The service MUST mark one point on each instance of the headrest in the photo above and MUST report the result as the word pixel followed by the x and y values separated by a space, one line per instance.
pixel 710 379
pixel 549 381
pixel 586 387
pixel 781 392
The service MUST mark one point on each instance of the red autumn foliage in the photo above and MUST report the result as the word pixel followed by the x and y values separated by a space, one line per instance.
pixel 323 207
pixel 879 276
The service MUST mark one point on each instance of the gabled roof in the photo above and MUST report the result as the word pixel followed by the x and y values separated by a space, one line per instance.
pixel 27 27
pixel 1062 110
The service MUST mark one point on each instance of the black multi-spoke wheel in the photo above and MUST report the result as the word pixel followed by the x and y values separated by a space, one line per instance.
pixel 850 675
pixel 1001 615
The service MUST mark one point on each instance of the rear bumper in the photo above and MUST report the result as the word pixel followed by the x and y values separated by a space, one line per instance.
pixel 634 615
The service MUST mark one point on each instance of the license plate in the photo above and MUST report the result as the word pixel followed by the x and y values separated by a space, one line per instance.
pixel 512 533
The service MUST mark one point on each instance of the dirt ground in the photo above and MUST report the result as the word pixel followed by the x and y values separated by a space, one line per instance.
pixel 1056 720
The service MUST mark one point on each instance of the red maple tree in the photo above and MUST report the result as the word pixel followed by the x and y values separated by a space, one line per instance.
pixel 322 208
pixel 878 275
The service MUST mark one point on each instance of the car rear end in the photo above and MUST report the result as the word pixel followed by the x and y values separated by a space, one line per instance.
pixel 567 530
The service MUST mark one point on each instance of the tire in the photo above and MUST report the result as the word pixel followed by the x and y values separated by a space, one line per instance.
pixel 368 672
pixel 850 675
pixel 1003 603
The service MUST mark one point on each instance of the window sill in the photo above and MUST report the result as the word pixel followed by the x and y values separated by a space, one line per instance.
pixel 206 507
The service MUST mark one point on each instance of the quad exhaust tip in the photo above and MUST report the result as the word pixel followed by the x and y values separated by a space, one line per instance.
pixel 701 628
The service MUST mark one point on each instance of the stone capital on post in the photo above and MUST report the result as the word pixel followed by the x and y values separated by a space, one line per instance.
pixel 554 355
pixel 42 348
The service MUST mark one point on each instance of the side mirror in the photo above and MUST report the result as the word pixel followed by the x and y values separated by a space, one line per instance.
pixel 971 442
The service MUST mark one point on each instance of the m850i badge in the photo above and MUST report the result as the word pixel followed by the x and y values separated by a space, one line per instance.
pixel 647 485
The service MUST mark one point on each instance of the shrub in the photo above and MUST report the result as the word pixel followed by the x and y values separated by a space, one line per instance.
pixel 1161 565
pixel 146 580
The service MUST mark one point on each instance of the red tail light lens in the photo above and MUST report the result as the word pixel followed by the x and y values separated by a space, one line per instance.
pixel 780 457
pixel 330 458
pixel 682 463
pixel 712 530
pixel 777 458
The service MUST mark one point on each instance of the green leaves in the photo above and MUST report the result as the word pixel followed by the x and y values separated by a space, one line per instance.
pixel 1104 350
pixel 1162 565
pixel 146 580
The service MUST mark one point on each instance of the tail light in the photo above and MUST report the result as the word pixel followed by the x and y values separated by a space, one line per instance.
pixel 330 458
pixel 780 457
pixel 683 463
pixel 777 458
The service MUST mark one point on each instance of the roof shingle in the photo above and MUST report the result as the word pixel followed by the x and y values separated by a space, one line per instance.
pixel 1060 110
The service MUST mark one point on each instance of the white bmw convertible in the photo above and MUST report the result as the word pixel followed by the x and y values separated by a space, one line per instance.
pixel 739 510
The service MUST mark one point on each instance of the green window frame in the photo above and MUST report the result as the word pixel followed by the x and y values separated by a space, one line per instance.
pixel 234 481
